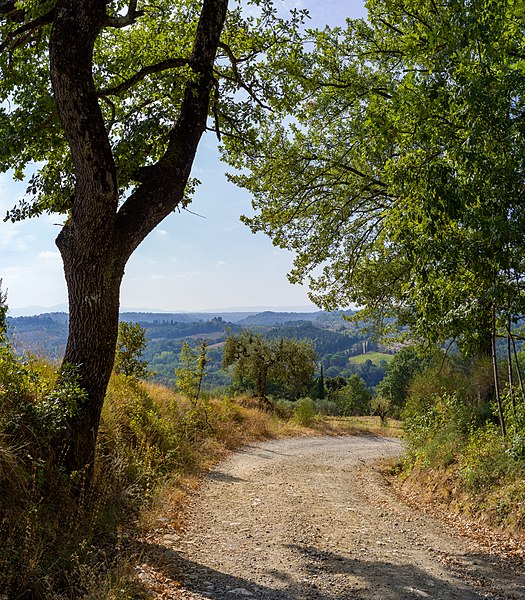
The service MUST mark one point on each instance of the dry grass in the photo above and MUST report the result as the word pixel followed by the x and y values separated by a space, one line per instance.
pixel 364 425
pixel 154 448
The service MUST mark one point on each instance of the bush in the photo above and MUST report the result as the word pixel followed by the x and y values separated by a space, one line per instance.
pixel 304 412
pixel 328 408
pixel 485 461
pixel 457 431
pixel 353 398
pixel 381 407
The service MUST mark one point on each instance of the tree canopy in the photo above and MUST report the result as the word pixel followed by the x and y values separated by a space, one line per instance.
pixel 131 343
pixel 256 362
pixel 396 172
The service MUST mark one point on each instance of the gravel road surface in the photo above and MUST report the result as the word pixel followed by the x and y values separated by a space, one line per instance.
pixel 311 518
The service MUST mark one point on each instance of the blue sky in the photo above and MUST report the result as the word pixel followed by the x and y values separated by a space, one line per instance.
pixel 189 263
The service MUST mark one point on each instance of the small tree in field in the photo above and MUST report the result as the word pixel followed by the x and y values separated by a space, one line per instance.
pixel 131 343
pixel 192 371
pixel 354 397
pixel 404 366
pixel 256 361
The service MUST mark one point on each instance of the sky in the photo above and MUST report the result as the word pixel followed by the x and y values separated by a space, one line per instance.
pixel 190 262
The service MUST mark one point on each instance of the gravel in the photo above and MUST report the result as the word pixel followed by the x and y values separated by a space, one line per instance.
pixel 313 519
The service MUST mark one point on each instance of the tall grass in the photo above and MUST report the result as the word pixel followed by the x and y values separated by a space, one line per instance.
pixel 55 544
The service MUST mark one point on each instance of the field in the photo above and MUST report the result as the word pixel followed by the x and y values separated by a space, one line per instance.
pixel 375 357
pixel 363 425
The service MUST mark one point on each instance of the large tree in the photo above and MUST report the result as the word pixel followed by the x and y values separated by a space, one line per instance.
pixel 108 100
pixel 399 183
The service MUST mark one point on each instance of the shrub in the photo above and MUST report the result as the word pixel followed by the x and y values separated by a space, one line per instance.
pixel 304 412
pixel 485 461
pixel 381 407
pixel 327 407
pixel 131 344
pixel 353 398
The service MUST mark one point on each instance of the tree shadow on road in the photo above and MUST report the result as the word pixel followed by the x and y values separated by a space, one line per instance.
pixel 323 576
pixel 224 477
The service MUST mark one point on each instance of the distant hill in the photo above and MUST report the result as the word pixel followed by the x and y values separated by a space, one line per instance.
pixel 321 317
pixel 270 318
pixel 151 317
pixel 43 335
pixel 335 340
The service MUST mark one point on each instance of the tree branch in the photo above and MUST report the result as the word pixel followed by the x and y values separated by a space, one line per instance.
pixel 125 20
pixel 237 77
pixel 76 27
pixel 164 184
pixel 9 10
pixel 26 28
pixel 170 63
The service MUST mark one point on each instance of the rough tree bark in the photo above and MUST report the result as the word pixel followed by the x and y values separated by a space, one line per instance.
pixel 98 237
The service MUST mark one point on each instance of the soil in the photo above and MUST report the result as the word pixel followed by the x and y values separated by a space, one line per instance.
pixel 314 519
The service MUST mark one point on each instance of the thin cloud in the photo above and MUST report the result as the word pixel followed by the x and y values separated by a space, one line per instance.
pixel 48 255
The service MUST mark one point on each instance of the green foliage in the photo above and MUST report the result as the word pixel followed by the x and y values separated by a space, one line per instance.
pixel 335 341
pixel 190 376
pixel 436 429
pixel 318 390
pixel 451 427
pixel 397 181
pixel 354 398
pixel 400 371
pixel 34 408
pixel 304 412
pixel 381 407
pixel 257 362
pixel 131 344
pixel 484 461
pixel 140 74
pixel 192 370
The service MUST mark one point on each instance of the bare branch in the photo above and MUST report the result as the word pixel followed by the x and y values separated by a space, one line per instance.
pixel 237 77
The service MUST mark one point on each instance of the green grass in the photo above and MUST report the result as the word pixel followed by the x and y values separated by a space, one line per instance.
pixel 375 357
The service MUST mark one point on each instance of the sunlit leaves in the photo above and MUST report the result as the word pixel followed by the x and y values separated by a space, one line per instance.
pixel 141 71
pixel 397 176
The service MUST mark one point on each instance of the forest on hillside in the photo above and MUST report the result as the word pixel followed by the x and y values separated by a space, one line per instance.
pixel 335 340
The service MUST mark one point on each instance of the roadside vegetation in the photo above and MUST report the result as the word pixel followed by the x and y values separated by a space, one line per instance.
pixel 456 452
pixel 61 539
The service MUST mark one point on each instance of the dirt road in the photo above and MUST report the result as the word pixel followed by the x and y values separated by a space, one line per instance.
pixel 310 518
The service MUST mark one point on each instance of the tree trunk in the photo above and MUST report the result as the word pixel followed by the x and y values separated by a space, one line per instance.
pixel 496 376
pixel 518 368
pixel 99 237
pixel 262 378
pixel 509 368
pixel 93 276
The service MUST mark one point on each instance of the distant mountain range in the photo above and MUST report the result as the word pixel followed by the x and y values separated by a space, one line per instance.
pixel 29 311
pixel 46 333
